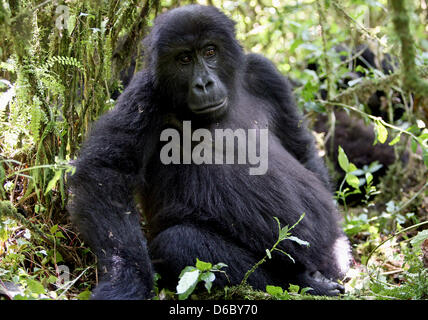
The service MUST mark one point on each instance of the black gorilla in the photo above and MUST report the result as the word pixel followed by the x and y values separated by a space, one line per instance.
pixel 196 70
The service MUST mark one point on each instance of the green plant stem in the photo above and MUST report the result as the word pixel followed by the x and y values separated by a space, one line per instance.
pixel 50 166
pixel 342 195
pixel 249 272
pixel 383 122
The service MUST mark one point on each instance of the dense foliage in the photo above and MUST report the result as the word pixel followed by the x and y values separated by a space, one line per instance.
pixel 60 66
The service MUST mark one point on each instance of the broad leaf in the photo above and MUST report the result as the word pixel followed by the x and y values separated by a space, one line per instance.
pixel 203 266
pixel 352 180
pixel 187 284
pixel 343 160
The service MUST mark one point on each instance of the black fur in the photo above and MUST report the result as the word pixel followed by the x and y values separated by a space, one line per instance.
pixel 217 213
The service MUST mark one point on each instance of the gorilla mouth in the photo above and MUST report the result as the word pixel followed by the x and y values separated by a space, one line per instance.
pixel 212 107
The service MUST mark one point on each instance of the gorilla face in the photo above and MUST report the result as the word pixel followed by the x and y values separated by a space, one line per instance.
pixel 195 55
pixel 206 93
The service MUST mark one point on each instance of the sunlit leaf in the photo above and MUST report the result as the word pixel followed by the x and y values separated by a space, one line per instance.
pixel 352 180
pixel 187 283
pixel 343 160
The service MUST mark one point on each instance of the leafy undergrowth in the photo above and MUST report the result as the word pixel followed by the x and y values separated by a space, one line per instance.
pixel 42 260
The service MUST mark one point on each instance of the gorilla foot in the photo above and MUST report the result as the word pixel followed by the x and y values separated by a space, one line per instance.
pixel 107 290
pixel 320 284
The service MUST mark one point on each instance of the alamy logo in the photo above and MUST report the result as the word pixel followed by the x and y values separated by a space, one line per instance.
pixel 251 147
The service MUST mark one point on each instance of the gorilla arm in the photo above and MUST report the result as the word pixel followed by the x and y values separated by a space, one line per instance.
pixel 102 204
pixel 288 125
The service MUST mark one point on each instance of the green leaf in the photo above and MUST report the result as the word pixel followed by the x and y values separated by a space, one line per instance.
pixel 208 286
pixel 352 180
pixel 419 238
pixel 294 45
pixel 268 254
pixel 283 233
pixel 343 160
pixel 414 146
pixel 219 265
pixel 352 168
pixel 85 295
pixel 35 286
pixel 59 235
pixel 293 288
pixel 203 266
pixel 277 221
pixel 55 258
pixel 369 177
pixel 187 269
pixel 395 140
pixel 208 278
pixel 299 241
pixel 423 137
pixel 187 284
pixel 375 166
pixel 285 253
pixel 381 132
pixel 53 229
pixel 53 181
pixel 306 289
pixel 52 279
pixel 59 257
pixel 274 290
pixel 354 82
pixel 357 172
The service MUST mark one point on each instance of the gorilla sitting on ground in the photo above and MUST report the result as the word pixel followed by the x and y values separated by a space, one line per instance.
pixel 197 71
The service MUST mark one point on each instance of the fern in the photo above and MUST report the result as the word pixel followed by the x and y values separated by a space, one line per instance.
pixel 65 61
pixel 36 117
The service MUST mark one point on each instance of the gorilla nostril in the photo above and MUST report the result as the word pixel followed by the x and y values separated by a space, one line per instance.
pixel 199 87
pixel 203 84
pixel 209 84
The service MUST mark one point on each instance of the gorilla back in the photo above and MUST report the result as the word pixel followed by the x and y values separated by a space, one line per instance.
pixel 196 71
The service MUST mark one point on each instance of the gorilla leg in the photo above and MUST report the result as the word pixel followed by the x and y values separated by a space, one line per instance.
pixel 179 246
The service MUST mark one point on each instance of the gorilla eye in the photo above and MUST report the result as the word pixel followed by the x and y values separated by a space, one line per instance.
pixel 185 58
pixel 210 52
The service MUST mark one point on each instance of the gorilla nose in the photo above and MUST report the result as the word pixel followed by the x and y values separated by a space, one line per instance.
pixel 202 85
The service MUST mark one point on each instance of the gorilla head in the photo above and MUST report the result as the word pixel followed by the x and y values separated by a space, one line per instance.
pixel 194 55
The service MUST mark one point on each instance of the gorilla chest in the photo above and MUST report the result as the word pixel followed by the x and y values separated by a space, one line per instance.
pixel 233 184
pixel 231 172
